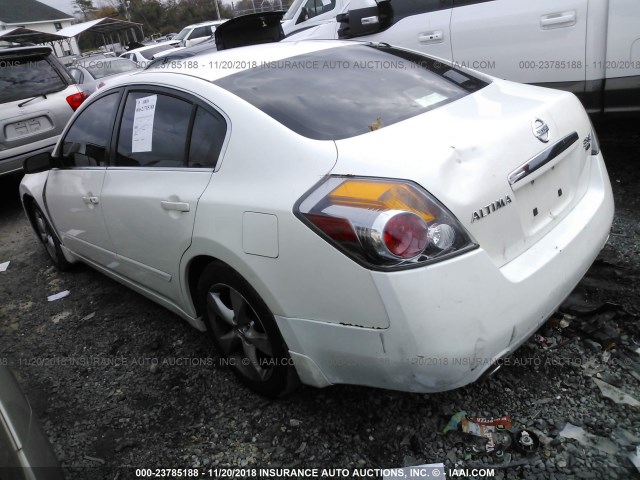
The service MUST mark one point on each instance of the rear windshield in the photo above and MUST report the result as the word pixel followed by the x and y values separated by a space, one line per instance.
pixel 346 91
pixel 104 68
pixel 26 77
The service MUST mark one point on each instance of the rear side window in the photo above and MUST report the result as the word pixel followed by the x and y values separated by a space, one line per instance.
pixel 207 137
pixel 153 131
pixel 22 78
pixel 341 92
pixel 85 144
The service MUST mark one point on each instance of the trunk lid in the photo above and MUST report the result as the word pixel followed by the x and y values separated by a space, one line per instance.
pixel 481 158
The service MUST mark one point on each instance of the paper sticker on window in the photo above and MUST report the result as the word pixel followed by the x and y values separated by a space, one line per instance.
pixel 326 3
pixel 429 100
pixel 142 138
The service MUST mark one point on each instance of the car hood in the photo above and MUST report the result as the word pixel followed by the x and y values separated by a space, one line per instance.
pixel 464 153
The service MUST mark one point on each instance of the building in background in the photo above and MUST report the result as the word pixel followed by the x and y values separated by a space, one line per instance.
pixel 38 16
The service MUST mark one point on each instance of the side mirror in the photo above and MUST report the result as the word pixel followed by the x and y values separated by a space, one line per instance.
pixel 38 163
pixel 370 18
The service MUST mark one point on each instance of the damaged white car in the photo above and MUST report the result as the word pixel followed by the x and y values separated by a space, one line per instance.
pixel 332 212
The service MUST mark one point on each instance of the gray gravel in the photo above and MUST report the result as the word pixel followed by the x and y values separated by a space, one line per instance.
pixel 142 389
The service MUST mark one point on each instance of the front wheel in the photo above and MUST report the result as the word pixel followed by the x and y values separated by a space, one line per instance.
pixel 245 333
pixel 49 239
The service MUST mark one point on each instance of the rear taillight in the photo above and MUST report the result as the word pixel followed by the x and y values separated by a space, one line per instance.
pixel 76 100
pixel 383 224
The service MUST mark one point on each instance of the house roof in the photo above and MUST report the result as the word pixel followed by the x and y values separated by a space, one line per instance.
pixel 27 11
pixel 26 35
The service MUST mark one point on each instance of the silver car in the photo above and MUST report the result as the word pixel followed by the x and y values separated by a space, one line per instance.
pixel 25 452
pixel 37 98
pixel 92 74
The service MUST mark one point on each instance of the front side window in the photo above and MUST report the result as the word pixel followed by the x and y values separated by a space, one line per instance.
pixel 86 142
pixel 317 7
pixel 153 131
pixel 200 32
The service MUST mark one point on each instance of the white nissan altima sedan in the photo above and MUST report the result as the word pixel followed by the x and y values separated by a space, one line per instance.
pixel 332 212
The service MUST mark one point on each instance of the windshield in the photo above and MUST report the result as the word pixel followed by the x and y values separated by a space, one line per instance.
pixel 341 92
pixel 27 77
pixel 292 10
pixel 104 68
pixel 183 33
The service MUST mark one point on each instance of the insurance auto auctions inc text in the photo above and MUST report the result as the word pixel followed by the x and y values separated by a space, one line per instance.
pixel 418 472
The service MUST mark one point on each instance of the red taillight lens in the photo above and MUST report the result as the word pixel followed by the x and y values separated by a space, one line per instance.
pixel 76 100
pixel 405 235
pixel 381 223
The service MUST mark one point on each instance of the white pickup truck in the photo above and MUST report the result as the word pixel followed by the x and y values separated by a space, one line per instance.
pixel 588 47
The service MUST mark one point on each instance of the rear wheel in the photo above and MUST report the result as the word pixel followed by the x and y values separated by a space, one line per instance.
pixel 245 332
pixel 49 239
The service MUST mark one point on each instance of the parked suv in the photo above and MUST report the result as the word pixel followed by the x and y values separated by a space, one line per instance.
pixel 37 98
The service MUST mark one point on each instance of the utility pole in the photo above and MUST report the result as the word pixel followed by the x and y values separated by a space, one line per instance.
pixel 217 8
pixel 125 4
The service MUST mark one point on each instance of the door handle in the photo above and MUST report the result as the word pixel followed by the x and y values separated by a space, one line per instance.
pixel 177 206
pixel 90 200
pixel 556 20
pixel 436 36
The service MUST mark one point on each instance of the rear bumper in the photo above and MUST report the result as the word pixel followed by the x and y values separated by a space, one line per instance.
pixel 14 163
pixel 452 321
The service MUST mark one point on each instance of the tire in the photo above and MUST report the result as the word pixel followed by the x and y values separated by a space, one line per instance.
pixel 48 239
pixel 245 333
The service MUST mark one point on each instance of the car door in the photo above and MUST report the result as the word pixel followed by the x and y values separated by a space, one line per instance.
pixel 72 192
pixel 422 25
pixel 165 151
pixel 530 41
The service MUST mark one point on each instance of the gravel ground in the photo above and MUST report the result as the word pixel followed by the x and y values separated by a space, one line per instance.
pixel 136 394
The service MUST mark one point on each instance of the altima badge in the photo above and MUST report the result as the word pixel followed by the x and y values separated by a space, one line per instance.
pixel 489 209
pixel 541 130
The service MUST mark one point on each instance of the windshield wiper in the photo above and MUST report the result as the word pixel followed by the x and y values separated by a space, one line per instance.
pixel 32 99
